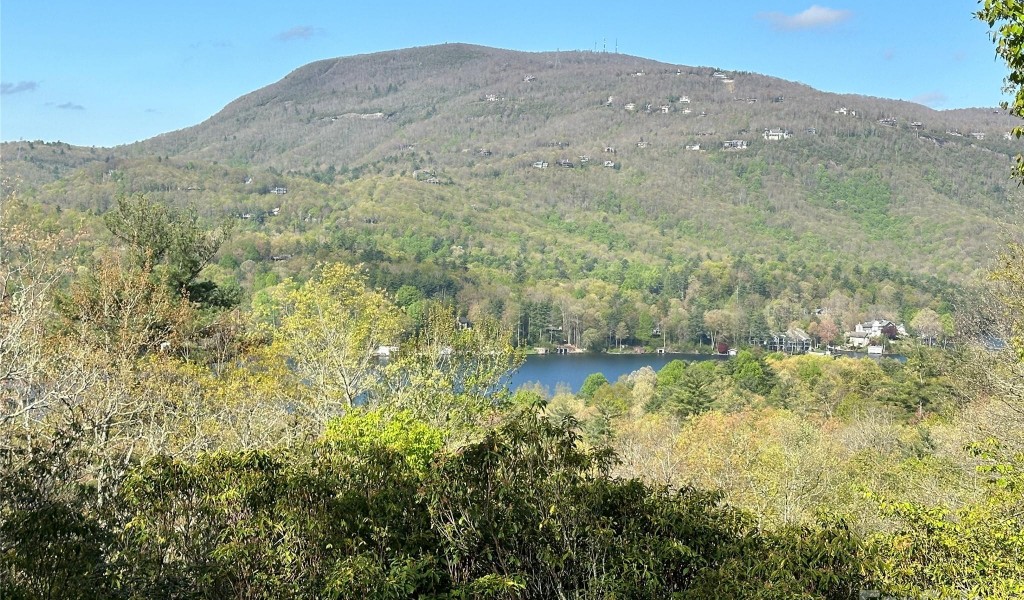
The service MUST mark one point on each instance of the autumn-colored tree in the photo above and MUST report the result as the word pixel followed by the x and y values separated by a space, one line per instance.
pixel 827 330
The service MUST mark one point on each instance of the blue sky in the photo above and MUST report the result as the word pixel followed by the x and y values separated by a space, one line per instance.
pixel 104 73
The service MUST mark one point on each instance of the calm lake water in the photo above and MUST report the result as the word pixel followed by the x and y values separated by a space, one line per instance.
pixel 551 370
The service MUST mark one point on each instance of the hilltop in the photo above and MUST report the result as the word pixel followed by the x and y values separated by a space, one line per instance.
pixel 595 192
pixel 449 98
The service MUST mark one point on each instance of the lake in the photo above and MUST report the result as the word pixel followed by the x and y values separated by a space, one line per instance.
pixel 550 370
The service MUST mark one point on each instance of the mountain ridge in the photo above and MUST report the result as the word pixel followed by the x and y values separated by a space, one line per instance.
pixel 386 68
pixel 407 85
pixel 506 177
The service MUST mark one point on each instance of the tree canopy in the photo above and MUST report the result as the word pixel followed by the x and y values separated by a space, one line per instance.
pixel 1006 20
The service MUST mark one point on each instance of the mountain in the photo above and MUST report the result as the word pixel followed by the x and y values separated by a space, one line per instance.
pixel 350 111
pixel 428 164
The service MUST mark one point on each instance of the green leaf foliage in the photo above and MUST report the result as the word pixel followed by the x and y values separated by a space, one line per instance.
pixel 591 384
pixel 360 430
pixel 972 552
pixel 1006 20
pixel 524 512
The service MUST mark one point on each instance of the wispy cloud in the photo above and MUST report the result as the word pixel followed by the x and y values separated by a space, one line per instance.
pixel 299 32
pixel 15 88
pixel 815 16
pixel 932 99
pixel 70 106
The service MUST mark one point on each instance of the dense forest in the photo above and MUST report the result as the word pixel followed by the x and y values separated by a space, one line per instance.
pixel 267 356
pixel 158 442
pixel 423 165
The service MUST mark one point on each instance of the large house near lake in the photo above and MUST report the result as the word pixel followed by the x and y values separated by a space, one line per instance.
pixel 882 327
pixel 864 332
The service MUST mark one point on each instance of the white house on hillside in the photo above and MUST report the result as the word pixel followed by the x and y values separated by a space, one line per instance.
pixel 881 327
pixel 776 134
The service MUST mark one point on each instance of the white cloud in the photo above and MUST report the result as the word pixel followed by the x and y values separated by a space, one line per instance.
pixel 299 32
pixel 932 99
pixel 815 16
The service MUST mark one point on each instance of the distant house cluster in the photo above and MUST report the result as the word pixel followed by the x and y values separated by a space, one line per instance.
pixel 260 215
pixel 566 163
pixel 865 337
pixel 893 122
pixel 682 104
pixel 864 333
pixel 791 341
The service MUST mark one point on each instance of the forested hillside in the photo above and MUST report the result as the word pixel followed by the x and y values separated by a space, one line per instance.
pixel 267 356
pixel 157 442
pixel 425 164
